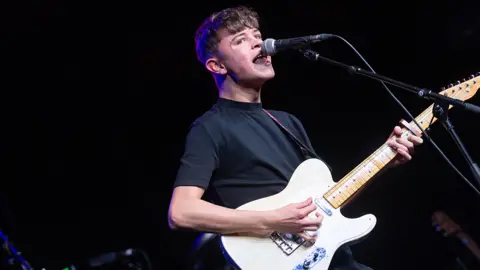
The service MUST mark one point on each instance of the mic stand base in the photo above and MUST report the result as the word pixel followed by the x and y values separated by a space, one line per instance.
pixel 440 111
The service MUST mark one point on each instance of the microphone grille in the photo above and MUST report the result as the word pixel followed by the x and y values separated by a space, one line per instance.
pixel 268 46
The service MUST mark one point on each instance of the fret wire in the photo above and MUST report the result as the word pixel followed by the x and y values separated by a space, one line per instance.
pixel 370 161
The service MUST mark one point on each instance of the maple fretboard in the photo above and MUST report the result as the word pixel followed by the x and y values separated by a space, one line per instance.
pixel 365 171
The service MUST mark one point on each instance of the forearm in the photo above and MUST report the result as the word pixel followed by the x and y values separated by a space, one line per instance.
pixel 204 216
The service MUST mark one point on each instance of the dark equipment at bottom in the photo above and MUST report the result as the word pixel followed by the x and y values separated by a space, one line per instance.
pixel 10 258
pixel 130 259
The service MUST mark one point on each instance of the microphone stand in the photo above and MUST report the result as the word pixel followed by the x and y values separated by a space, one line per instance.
pixel 440 108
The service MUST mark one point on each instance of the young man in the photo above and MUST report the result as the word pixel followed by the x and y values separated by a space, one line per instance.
pixel 236 151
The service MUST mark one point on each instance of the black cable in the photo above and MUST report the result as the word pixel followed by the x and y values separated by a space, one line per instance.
pixel 130 256
pixel 147 259
pixel 12 253
pixel 410 115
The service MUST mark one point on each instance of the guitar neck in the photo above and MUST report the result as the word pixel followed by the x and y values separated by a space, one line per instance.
pixel 339 194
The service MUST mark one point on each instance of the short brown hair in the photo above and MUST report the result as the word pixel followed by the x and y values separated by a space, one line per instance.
pixel 233 20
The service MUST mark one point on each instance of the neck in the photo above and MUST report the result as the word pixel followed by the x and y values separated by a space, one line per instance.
pixel 230 89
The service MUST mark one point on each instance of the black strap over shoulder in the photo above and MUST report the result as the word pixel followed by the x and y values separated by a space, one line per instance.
pixel 307 153
pixel 206 253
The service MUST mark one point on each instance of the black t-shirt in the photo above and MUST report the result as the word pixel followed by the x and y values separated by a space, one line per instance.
pixel 239 154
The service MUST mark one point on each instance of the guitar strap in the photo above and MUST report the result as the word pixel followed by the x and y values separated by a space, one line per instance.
pixel 307 153
pixel 206 250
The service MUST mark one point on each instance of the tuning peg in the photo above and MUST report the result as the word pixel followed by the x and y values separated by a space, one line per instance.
pixel 443 88
pixel 458 82
pixel 471 77
pixel 450 85
pixel 477 74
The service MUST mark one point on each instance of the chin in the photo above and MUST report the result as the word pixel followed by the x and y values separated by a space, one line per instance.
pixel 258 79
pixel 266 75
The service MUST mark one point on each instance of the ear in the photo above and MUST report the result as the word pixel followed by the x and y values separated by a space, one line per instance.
pixel 215 66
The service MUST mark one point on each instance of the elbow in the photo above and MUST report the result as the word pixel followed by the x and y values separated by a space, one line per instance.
pixel 176 220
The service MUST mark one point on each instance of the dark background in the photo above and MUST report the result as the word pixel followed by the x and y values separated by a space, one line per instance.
pixel 98 97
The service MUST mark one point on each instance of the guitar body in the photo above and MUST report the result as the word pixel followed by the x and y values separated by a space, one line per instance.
pixel 312 178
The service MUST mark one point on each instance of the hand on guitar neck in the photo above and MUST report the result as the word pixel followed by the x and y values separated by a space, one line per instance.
pixel 449 228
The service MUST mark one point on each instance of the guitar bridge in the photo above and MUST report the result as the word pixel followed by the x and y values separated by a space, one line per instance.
pixel 288 243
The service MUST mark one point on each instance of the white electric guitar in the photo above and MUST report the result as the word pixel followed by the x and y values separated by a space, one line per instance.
pixel 312 178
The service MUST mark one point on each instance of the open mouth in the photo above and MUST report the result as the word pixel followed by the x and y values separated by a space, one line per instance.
pixel 260 59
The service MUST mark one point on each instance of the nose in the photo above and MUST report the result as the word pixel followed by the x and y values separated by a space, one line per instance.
pixel 256 43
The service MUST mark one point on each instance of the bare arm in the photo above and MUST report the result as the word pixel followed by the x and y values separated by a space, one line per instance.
pixel 187 210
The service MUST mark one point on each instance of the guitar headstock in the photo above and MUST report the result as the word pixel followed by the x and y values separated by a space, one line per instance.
pixel 445 224
pixel 463 90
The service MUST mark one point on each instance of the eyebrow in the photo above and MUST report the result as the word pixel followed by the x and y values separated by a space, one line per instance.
pixel 256 31
pixel 237 36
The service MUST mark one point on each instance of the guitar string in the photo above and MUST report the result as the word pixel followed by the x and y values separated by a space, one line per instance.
pixel 410 115
pixel 422 117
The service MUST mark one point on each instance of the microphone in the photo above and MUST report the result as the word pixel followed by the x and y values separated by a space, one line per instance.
pixel 271 46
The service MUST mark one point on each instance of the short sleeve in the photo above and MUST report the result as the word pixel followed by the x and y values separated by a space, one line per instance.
pixel 199 160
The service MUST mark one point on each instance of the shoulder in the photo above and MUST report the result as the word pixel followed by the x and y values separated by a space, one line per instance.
pixel 291 121
pixel 207 126
pixel 286 116
pixel 206 120
pixel 279 113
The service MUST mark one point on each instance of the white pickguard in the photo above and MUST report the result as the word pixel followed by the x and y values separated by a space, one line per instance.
pixel 311 179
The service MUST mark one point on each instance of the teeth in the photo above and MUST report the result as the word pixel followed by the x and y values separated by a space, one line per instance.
pixel 259 57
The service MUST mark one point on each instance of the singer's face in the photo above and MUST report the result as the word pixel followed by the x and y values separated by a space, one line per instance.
pixel 240 52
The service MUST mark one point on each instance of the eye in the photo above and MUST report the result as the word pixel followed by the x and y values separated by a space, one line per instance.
pixel 240 40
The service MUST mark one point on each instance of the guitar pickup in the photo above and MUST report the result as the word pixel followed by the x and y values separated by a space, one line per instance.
pixel 322 204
